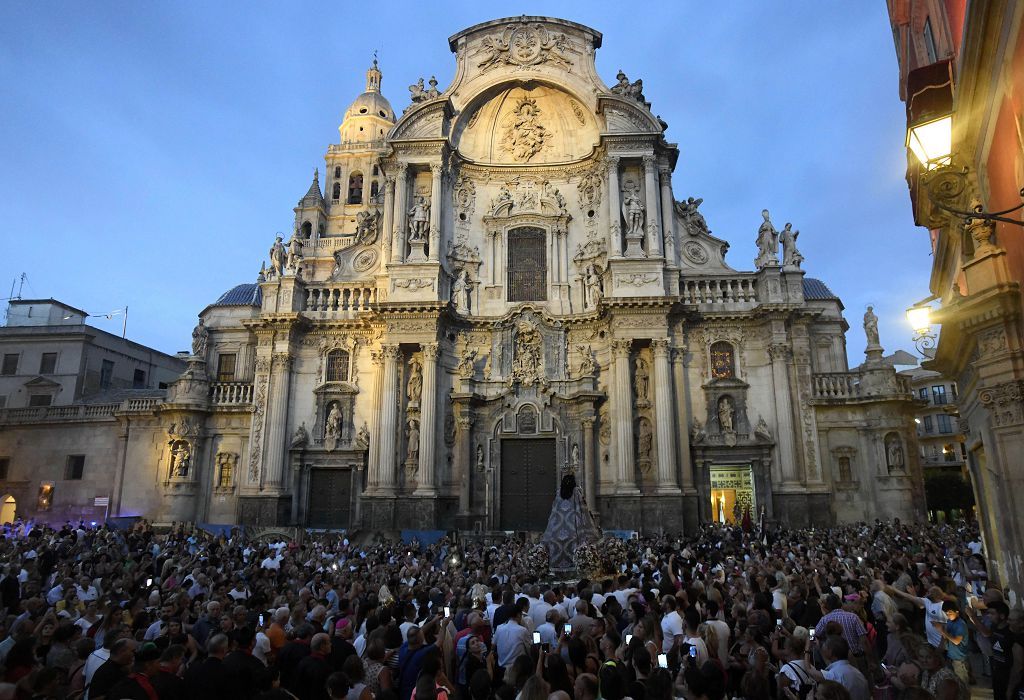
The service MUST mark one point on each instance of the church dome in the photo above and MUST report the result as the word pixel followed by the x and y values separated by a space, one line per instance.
pixel 371 103
pixel 370 115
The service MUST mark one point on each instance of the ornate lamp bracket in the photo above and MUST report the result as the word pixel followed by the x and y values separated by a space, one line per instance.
pixel 945 186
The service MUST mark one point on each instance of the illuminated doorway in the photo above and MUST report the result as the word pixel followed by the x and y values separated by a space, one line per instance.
pixel 7 508
pixel 732 494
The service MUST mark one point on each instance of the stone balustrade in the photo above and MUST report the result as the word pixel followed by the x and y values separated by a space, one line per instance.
pixel 837 385
pixel 719 290
pixel 45 414
pixel 140 405
pixel 231 393
pixel 344 299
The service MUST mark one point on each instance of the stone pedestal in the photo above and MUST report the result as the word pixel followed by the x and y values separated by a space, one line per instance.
pixel 635 277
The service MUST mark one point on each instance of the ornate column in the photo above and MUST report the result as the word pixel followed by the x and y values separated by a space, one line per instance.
pixel 463 455
pixel 682 419
pixel 388 420
pixel 622 415
pixel 373 459
pixel 654 249
pixel 435 212
pixel 780 354
pixel 589 462
pixel 277 422
pixel 401 213
pixel 663 417
pixel 667 218
pixel 388 224
pixel 428 427
pixel 614 215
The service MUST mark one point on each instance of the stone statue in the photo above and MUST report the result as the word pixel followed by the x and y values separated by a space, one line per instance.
pixel 199 337
pixel 367 227
pixel 415 385
pixel 593 286
pixel 767 243
pixel 644 442
pixel 480 458
pixel 294 252
pixel 527 362
pixel 181 458
pixel 413 444
pixel 432 92
pixel 301 437
pixel 525 136
pixel 697 432
pixel 894 452
pixel 460 292
pixel 332 427
pixel 725 414
pixel 574 460
pixel 588 368
pixel 693 220
pixel 762 431
pixel 419 220
pixel 363 438
pixel 641 381
pixel 278 256
pixel 625 88
pixel 633 209
pixel 871 327
pixel 465 368
pixel 791 257
pixel 417 93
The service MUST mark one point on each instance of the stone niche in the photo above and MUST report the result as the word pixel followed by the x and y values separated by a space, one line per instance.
pixel 727 422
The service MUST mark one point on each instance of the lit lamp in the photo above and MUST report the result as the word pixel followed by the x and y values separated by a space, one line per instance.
pixel 920 317
pixel 932 141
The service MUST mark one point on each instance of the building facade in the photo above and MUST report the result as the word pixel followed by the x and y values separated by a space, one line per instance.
pixel 500 286
pixel 966 61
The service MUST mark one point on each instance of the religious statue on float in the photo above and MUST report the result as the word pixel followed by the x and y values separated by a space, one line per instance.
pixel 570 524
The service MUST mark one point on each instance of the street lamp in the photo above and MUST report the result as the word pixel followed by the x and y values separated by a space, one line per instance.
pixel 932 141
pixel 919 316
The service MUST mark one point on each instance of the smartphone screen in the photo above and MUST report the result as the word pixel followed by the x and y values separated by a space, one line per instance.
pixel 447 611
pixel 778 622
pixel 629 638
pixel 693 652
pixel 568 628
pixel 812 635
pixel 663 660
pixel 536 637
pixel 149 582
pixel 261 619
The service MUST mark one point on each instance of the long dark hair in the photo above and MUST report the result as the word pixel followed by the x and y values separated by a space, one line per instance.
pixel 568 486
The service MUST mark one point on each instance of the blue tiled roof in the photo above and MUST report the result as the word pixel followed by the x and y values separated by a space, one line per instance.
pixel 815 290
pixel 241 295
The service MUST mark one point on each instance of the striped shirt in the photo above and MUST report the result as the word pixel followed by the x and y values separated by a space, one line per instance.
pixel 853 628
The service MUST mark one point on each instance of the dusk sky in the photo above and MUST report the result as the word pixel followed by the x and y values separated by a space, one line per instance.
pixel 151 150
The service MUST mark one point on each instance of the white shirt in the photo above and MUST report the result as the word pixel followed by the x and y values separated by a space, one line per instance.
pixel 850 678
pixel 701 647
pixel 87 594
pixel 933 613
pixel 262 647
pixel 671 627
pixel 539 612
pixel 55 594
pixel 511 640
pixel 722 633
pixel 271 563
pixel 548 634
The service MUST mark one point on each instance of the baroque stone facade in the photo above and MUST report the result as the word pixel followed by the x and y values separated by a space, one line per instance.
pixel 500 286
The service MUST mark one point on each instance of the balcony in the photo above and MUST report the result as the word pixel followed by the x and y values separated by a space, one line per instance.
pixel 719 291
pixel 230 394
pixel 837 385
pixel 340 300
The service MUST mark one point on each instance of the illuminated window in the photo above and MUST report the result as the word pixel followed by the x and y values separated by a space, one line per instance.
pixel 723 361
pixel 226 471
pixel 337 366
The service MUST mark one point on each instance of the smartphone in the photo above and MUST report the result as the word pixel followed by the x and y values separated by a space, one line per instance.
pixel 568 628
pixel 629 638
pixel 812 634
pixel 447 611
pixel 261 619
pixel 778 622
pixel 536 637
pixel 149 582
pixel 663 660
pixel 693 652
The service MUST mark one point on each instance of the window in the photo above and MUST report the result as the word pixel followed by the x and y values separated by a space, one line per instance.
pixel 337 171
pixel 307 229
pixel 949 453
pixel 337 366
pixel 355 188
pixel 106 374
pixel 528 266
pixel 139 379
pixel 226 367
pixel 929 425
pixel 376 171
pixel 723 361
pixel 336 191
pixel 845 472
pixel 939 395
pixel 923 393
pixel 5 466
pixel 944 424
pixel 952 392
pixel 373 188
pixel 48 363
pixel 225 473
pixel 10 364
pixel 37 400
pixel 929 41
pixel 75 467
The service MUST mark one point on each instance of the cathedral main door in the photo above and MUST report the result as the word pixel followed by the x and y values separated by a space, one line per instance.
pixel 527 483
pixel 330 492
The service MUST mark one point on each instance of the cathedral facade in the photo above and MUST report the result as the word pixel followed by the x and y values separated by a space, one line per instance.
pixel 497 286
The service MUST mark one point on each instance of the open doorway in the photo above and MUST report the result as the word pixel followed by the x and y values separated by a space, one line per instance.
pixel 732 493
pixel 7 508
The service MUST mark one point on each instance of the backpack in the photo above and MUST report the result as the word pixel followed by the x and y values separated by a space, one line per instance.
pixel 805 685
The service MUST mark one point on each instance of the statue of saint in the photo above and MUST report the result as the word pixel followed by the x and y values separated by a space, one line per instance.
pixel 762 431
pixel 641 380
pixel 644 451
pixel 465 368
pixel 415 384
pixel 592 285
pixel 294 252
pixel 278 257
pixel 725 414
pixel 301 437
pixel 332 427
pixel 633 209
pixel 363 437
pixel 181 457
pixel 767 242
pixel 460 292
pixel 697 432
pixel 199 337
pixel 791 257
pixel 419 220
pixel 871 327
pixel 894 453
pixel 413 444
pixel 574 461
pixel 587 366
pixel 480 458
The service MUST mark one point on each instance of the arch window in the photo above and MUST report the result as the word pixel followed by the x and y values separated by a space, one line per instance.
pixel 337 171
pixel 337 365
pixel 336 191
pixel 355 188
pixel 307 229
pixel 723 360
pixel 376 171
pixel 528 266
pixel 373 188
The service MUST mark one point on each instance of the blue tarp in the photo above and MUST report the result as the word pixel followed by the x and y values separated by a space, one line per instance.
pixel 216 529
pixel 621 534
pixel 424 537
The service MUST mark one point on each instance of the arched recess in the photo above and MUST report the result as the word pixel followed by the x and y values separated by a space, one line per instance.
pixel 8 508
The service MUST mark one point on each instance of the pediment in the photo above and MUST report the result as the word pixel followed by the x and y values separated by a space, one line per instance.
pixel 699 250
pixel 625 116
pixel 41 383
pixel 428 120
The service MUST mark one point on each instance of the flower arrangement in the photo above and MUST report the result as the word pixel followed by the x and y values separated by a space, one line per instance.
pixel 537 559
pixel 588 560
pixel 613 554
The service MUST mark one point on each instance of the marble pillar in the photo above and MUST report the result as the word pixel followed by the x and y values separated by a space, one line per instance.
pixel 614 215
pixel 388 224
pixel 401 226
pixel 589 463
pixel 435 213
pixel 463 456
pixel 622 416
pixel 667 215
pixel 277 422
pixel 663 413
pixel 428 428
pixel 388 421
pixel 780 354
pixel 654 249
pixel 682 419
pixel 373 458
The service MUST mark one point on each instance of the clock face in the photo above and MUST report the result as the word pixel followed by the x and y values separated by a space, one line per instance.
pixel 722 364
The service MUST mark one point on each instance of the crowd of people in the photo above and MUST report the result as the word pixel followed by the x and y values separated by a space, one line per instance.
pixel 884 610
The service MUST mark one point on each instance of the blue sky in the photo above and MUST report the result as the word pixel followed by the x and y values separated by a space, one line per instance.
pixel 152 149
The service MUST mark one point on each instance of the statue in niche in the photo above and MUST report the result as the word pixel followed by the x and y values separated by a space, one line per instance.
pixel 588 368
pixel 726 412
pixel 332 427
pixel 791 257
pixel 574 459
pixel 480 458
pixel 592 285
pixel 525 136
pixel 697 432
pixel 644 441
pixel 294 252
pixel 762 431
pixel 641 382
pixel 634 90
pixel 465 368
pixel 301 437
pixel 527 365
pixel 767 242
pixel 278 256
pixel 633 209
pixel 871 327
pixel 415 384
pixel 460 292
pixel 199 338
pixel 181 459
pixel 412 450
pixel 363 438
pixel 419 220
pixel 894 452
